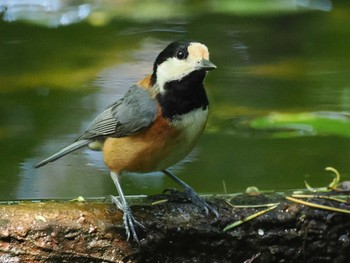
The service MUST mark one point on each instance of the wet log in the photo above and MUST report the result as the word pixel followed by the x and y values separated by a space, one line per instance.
pixel 175 231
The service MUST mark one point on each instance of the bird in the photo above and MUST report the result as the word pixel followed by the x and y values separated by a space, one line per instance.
pixel 154 125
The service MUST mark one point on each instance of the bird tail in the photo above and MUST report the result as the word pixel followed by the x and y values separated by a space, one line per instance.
pixel 70 148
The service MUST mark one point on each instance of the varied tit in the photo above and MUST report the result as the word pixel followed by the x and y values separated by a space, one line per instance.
pixel 155 125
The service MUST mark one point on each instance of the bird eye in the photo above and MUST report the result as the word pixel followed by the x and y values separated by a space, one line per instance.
pixel 180 54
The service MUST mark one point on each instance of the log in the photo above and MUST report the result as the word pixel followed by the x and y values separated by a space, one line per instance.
pixel 176 231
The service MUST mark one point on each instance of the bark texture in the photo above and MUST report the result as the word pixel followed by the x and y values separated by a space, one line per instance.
pixel 175 231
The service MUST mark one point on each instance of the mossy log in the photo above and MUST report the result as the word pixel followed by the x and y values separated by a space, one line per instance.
pixel 175 231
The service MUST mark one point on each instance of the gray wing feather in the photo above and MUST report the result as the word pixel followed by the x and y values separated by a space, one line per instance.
pixel 70 148
pixel 134 112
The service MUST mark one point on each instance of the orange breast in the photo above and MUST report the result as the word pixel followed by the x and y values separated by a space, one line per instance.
pixel 147 151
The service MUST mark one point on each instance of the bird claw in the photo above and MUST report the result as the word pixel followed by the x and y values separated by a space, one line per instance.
pixel 192 195
pixel 130 223
pixel 200 202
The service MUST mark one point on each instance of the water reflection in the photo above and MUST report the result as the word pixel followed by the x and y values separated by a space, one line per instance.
pixel 54 13
pixel 55 81
pixel 50 13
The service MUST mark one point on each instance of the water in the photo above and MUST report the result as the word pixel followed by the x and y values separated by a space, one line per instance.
pixel 284 59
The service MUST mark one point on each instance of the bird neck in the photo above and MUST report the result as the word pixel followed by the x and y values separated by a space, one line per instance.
pixel 182 96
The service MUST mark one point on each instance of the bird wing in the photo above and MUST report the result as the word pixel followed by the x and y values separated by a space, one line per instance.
pixel 129 115
pixel 134 112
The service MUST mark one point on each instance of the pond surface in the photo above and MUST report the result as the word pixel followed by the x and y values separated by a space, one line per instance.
pixel 273 60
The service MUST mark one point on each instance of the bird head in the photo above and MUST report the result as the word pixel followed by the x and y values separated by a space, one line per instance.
pixel 178 60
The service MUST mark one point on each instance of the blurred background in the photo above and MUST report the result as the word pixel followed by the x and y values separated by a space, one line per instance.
pixel 279 99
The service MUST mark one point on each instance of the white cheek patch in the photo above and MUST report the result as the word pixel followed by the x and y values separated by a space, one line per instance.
pixel 172 69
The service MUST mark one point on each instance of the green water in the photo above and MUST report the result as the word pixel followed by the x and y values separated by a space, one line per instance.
pixel 271 59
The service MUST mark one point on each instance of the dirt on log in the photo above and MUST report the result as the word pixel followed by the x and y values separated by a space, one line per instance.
pixel 175 231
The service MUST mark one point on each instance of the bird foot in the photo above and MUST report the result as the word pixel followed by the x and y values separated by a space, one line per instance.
pixel 190 194
pixel 130 223
pixel 200 202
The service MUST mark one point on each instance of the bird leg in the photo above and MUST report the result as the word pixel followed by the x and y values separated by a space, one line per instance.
pixel 192 195
pixel 130 222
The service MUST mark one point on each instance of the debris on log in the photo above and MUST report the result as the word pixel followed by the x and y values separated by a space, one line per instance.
pixel 258 228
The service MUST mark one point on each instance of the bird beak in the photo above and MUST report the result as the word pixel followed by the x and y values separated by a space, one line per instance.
pixel 205 64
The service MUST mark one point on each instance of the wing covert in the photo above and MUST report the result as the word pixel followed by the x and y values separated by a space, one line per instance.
pixel 135 111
